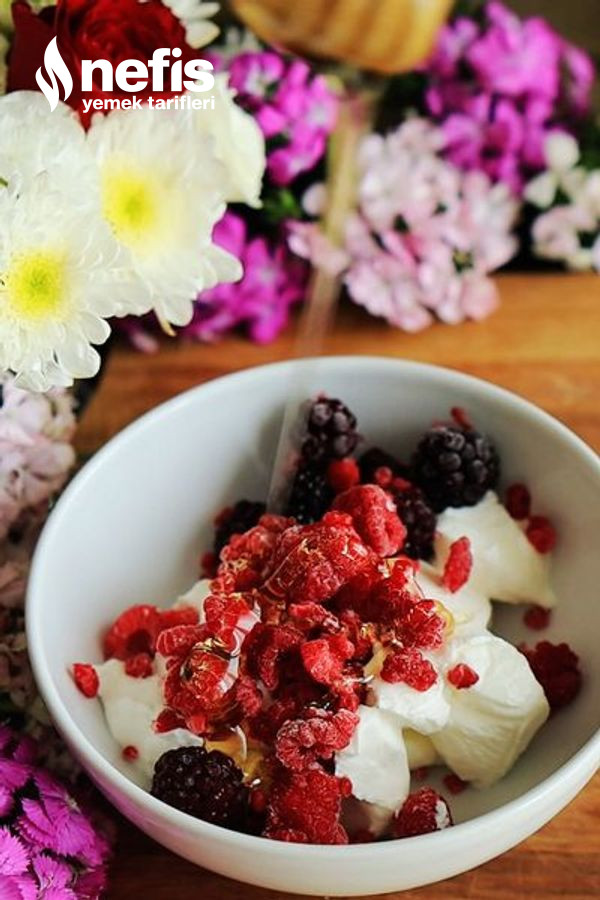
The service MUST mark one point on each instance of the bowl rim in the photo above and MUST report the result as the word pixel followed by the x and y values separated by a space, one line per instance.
pixel 570 771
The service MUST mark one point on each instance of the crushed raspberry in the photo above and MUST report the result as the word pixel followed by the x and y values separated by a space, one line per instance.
pixel 462 676
pixel 180 639
pixel 130 753
pixel 139 666
pixel 304 807
pixel 301 743
pixel 167 720
pixel 458 565
pixel 375 517
pixel 135 631
pixel 410 667
pixel 342 474
pixel 314 561
pixel 541 533
pixel 537 618
pixel 179 615
pixel 423 812
pixel 362 635
pixel 421 626
pixel 324 658
pixel 86 679
pixel 246 696
pixel 313 615
pixel 267 722
pixel 265 649
pixel 455 784
pixel 518 501
pixel 223 612
pixel 246 559
pixel 556 668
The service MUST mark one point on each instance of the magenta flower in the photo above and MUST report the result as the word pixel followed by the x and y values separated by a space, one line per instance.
pixel 49 847
pixel 499 89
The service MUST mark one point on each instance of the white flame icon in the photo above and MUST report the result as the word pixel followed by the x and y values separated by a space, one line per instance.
pixel 55 67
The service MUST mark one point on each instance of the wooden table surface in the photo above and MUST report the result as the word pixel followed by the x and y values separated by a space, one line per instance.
pixel 543 343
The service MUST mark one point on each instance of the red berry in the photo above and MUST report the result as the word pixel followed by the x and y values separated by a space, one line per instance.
pixel 313 615
pixel 301 743
pixel 139 666
pixel 167 720
pixel 462 676
pixel 455 784
pixel 209 563
pixel 420 773
pixel 537 618
pixel 86 679
pixel 461 417
pixel 375 517
pixel 324 658
pixel 180 615
pixel 343 474
pixel 305 807
pixel 130 753
pixel 383 476
pixel 410 667
pixel 135 631
pixel 265 649
pixel 423 812
pixel 421 626
pixel 518 501
pixel 180 639
pixel 246 559
pixel 556 668
pixel 458 565
pixel 541 533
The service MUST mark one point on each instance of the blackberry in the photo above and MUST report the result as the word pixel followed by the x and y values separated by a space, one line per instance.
pixel 240 518
pixel 419 520
pixel 455 466
pixel 331 431
pixel 311 495
pixel 207 785
pixel 374 459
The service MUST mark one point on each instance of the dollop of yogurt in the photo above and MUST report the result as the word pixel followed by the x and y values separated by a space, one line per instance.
pixel 506 566
pixel 131 705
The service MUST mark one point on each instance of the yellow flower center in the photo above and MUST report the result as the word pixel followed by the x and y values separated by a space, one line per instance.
pixel 36 285
pixel 133 204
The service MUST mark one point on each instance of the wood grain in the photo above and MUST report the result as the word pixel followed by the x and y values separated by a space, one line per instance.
pixel 543 343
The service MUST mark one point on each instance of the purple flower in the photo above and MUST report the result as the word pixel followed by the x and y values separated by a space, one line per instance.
pixel 499 89
pixel 272 282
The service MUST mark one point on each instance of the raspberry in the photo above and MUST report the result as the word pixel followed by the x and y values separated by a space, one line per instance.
pixel 421 627
pixel 305 807
pixel 311 494
pixel 139 666
pixel 86 679
pixel 180 639
pixel 134 631
pixel 322 557
pixel 246 559
pixel 458 565
pixel 518 501
pixel 267 722
pixel 419 520
pixel 246 696
pixel 313 615
pixel 343 474
pixel 130 753
pixel 167 720
pixel 423 812
pixel 180 615
pixel 207 785
pixel 374 516
pixel 265 649
pixel 455 466
pixel 300 743
pixel 541 533
pixel 462 676
pixel 556 668
pixel 537 618
pixel 375 459
pixel 223 612
pixel 236 520
pixel 324 658
pixel 410 667
pixel 455 784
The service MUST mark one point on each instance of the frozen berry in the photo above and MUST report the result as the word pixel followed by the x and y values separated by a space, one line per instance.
pixel 423 812
pixel 462 676
pixel 324 657
pixel 556 668
pixel 311 494
pixel 375 517
pixel 459 563
pixel 207 785
pixel 455 784
pixel 236 520
pixel 541 533
pixel 86 679
pixel 411 668
pixel 455 466
pixel 320 733
pixel 374 459
pixel 342 474
pixel 537 618
pixel 518 501
pixel 333 426
pixel 130 753
pixel 305 807
pixel 419 520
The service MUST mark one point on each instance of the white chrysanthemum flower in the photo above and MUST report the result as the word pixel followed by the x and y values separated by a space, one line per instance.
pixel 49 143
pixel 55 286
pixel 239 143
pixel 162 192
pixel 195 15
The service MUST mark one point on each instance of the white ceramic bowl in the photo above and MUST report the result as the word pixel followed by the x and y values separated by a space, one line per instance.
pixel 130 527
